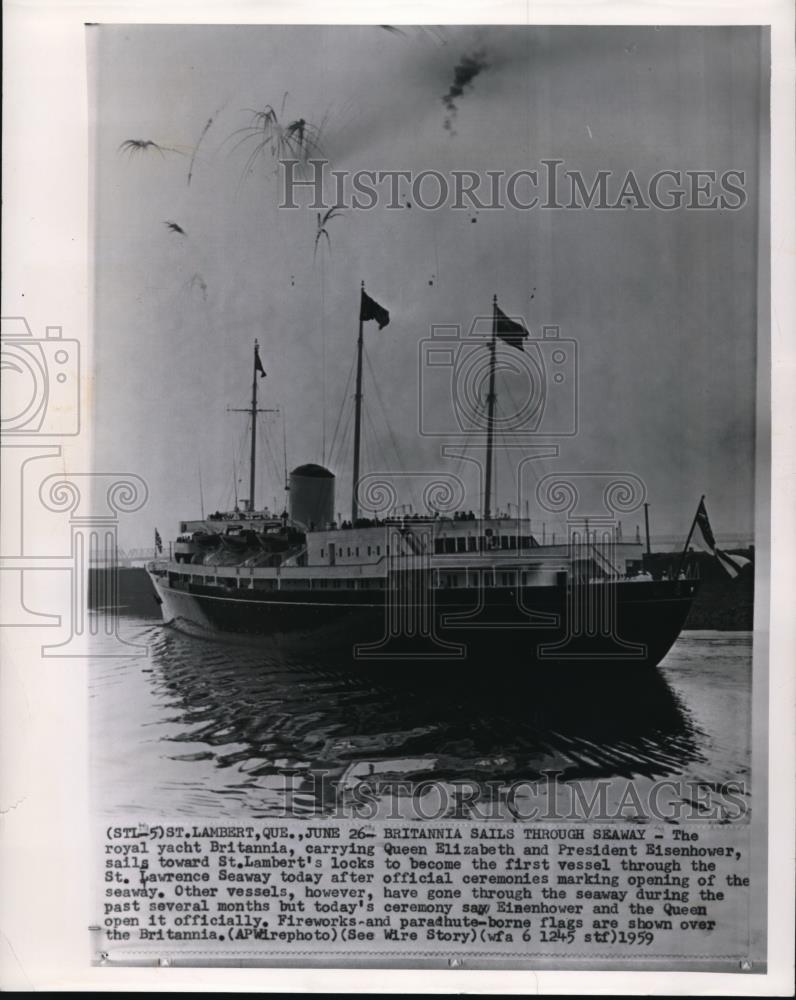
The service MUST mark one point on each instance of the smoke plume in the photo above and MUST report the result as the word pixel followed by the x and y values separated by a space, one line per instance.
pixel 464 73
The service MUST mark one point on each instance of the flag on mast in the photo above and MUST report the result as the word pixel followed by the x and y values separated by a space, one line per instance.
pixel 369 309
pixel 158 541
pixel 509 331
pixel 258 365
pixel 731 563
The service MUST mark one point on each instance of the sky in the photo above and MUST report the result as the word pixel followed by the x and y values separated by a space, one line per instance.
pixel 662 306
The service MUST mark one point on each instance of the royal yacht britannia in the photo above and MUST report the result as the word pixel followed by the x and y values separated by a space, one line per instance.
pixel 469 590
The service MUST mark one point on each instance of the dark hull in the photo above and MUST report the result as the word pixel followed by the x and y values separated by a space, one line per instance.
pixel 629 624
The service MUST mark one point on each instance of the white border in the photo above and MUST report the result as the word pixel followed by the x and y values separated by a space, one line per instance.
pixel 44 861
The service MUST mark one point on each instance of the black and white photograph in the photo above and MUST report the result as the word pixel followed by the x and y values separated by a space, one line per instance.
pixel 420 566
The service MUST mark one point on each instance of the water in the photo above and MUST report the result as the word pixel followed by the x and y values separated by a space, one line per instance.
pixel 199 728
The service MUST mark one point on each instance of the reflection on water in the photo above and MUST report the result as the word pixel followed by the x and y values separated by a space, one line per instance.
pixel 204 729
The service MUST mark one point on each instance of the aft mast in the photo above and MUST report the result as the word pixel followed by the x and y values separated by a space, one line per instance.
pixel 514 334
pixel 490 420
pixel 253 455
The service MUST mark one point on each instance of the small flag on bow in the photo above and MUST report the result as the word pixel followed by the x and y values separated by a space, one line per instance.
pixel 369 309
pixel 509 331
pixel 258 365
pixel 158 541
pixel 731 563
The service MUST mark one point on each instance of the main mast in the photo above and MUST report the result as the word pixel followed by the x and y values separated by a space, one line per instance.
pixel 253 455
pixel 357 418
pixel 490 420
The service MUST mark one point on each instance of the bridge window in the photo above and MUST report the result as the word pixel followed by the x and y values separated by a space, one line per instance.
pixel 504 542
pixel 450 544
pixel 461 544
pixel 378 550
pixel 472 543
pixel 439 546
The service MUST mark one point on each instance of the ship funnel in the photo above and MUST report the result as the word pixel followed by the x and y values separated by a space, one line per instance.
pixel 312 496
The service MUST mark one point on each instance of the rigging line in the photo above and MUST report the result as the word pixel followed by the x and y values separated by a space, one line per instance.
pixel 482 409
pixel 235 452
pixel 372 445
pixel 366 447
pixel 380 400
pixel 220 493
pixel 501 443
pixel 323 360
pixel 505 386
pixel 508 453
pixel 234 493
pixel 376 445
pixel 339 433
pixel 270 458
pixel 342 446
pixel 284 451
pixel 541 464
pixel 238 461
pixel 347 442
pixel 393 440
pixel 268 452
pixel 201 491
pixel 343 404
pixel 467 443
pixel 226 497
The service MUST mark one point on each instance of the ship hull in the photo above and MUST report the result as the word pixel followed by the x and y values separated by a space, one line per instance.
pixel 623 624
